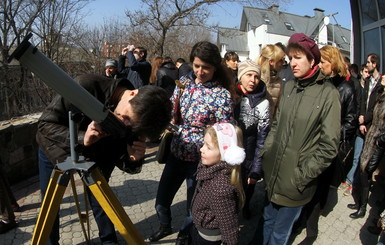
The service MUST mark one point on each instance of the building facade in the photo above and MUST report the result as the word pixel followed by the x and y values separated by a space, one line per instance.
pixel 368 19
pixel 260 27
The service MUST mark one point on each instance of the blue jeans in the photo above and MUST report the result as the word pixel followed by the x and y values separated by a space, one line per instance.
pixel 174 173
pixel 278 222
pixel 358 146
pixel 107 232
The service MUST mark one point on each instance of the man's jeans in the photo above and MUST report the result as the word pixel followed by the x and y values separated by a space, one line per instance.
pixel 174 173
pixel 278 222
pixel 106 228
pixel 358 145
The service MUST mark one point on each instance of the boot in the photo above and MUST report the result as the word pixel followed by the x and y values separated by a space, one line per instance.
pixel 164 230
pixel 364 201
pixel 360 213
pixel 353 206
pixel 183 239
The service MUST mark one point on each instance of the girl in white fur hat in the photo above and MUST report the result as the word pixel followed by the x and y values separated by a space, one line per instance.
pixel 219 195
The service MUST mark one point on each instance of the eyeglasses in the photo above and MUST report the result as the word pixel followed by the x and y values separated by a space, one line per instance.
pixel 136 52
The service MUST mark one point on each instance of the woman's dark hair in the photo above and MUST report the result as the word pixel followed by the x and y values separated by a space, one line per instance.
pixel 209 53
pixel 296 47
pixel 231 55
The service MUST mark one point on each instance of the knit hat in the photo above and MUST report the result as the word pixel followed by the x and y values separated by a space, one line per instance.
pixel 111 62
pixel 308 44
pixel 248 65
pixel 231 153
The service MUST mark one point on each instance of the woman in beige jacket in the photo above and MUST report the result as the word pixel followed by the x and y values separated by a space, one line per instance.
pixel 271 61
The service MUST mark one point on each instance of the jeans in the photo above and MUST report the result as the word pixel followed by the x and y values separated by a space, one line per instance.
pixel 278 222
pixel 174 173
pixel 107 232
pixel 358 146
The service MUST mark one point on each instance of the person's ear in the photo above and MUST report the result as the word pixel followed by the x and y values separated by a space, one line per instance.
pixel 132 93
pixel 312 62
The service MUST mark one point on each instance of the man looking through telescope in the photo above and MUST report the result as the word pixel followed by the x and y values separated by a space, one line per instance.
pixel 146 112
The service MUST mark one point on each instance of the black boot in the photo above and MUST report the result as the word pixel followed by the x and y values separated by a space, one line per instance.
pixel 183 239
pixel 164 230
pixel 360 213
pixel 353 206
pixel 364 201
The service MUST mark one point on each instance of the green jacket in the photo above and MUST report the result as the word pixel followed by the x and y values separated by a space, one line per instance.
pixel 303 140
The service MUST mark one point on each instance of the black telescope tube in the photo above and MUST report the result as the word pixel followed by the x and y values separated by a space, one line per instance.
pixel 52 75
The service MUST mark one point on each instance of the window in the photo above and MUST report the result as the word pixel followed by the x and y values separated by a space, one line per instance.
pixel 371 42
pixel 266 19
pixel 289 26
pixel 369 12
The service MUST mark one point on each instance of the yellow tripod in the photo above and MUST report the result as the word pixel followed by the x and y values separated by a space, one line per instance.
pixel 99 187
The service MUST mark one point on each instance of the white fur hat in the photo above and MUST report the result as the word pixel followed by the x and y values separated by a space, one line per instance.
pixel 228 144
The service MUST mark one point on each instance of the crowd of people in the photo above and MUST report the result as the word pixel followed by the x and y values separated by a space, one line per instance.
pixel 303 128
pixel 306 132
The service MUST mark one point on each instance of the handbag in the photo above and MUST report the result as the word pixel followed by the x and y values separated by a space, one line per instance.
pixel 164 148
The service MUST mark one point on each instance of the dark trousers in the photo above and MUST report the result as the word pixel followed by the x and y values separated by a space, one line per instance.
pixel 5 197
pixel 196 239
pixel 107 232
pixel 174 173
pixel 361 186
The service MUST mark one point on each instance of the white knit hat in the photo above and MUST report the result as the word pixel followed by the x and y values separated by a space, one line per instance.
pixel 231 153
pixel 248 65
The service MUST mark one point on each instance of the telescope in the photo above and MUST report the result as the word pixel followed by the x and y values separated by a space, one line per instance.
pixel 52 75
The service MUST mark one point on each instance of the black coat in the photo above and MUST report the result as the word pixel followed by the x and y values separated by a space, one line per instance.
pixel 184 69
pixel 366 107
pixel 166 76
pixel 53 126
pixel 348 107
pixel 138 72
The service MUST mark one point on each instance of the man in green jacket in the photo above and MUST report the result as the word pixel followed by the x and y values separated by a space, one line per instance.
pixel 302 142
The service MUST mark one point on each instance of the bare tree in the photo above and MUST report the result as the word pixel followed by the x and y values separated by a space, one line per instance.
pixel 16 20
pixel 113 33
pixel 56 27
pixel 159 18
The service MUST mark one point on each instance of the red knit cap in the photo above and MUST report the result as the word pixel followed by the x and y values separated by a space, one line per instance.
pixel 308 44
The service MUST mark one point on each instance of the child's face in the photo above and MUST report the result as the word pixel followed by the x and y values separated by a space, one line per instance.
pixel 210 153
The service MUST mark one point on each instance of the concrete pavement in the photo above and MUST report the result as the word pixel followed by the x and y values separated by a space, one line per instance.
pixel 137 196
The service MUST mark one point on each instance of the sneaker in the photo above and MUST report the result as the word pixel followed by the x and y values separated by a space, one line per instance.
pixel 6 226
pixel 343 186
pixel 348 191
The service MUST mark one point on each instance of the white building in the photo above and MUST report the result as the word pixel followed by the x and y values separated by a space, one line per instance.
pixel 268 26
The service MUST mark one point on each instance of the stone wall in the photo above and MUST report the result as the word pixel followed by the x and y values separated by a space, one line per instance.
pixel 18 148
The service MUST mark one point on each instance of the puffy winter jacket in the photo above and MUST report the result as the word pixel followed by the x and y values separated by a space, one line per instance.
pixel 303 140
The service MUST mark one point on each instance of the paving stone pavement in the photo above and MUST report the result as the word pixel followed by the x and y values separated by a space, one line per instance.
pixel 137 196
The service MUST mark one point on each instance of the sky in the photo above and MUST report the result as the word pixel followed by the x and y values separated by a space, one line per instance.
pixel 229 15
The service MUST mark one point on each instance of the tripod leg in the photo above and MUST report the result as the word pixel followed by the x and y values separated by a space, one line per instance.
pixel 82 218
pixel 50 206
pixel 110 204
